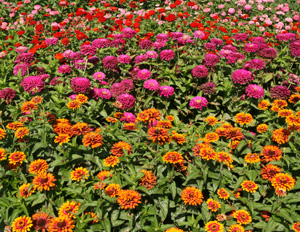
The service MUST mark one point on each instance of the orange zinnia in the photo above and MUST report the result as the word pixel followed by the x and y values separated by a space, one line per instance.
pixel 44 181
pixel 192 196
pixel 148 180
pixel 119 148
pixel 128 199
pixel 172 157
pixel 92 139
pixel 159 135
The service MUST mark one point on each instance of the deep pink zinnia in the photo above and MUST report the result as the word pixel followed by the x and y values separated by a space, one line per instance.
pixel 64 69
pixel 198 102
pixel 128 117
pixel 128 84
pixel 33 84
pixel 167 55
pixel 211 60
pixel 166 91
pixel 126 100
pixel 101 93
pixel 116 89
pixel 51 41
pixel 100 76
pixel 128 32
pixel 110 62
pixel 88 50
pixel 144 74
pixel 199 34
pixel 124 59
pixel 200 71
pixel 80 85
pixel 26 57
pixel 7 94
pixel 23 67
pixel 251 47
pixel 151 84
pixel 242 76
pixel 101 43
pixel 255 91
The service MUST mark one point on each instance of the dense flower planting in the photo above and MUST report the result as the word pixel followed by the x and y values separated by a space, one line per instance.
pixel 148 115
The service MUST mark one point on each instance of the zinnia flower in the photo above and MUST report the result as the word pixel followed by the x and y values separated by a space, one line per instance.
pixel 249 186
pixel 172 157
pixel 280 92
pixel 148 180
pixel 252 158
pixel 198 102
pixel 160 135
pixel 33 84
pixel 242 216
pixel 223 194
pixel 255 91
pixel 192 196
pixel 200 71
pixel 284 181
pixel 128 199
pixel 68 209
pixel 41 221
pixel 111 161
pixel 151 84
pixel 38 166
pixel 112 190
pixel 243 118
pixel 110 62
pixel 242 76
pixel 236 228
pixel 22 224
pixel 167 55
pixel 17 157
pixel 214 226
pixel 79 174
pixel 127 101
pixel 44 181
pixel 213 205
pixel 61 224
pixel 24 190
pixel 101 93
pixel 144 74
pixel 92 139
pixel 80 85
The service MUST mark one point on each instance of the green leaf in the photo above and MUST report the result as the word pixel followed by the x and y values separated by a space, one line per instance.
pixel 164 208
pixel 172 188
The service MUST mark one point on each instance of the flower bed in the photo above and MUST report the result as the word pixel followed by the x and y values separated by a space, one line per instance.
pixel 149 116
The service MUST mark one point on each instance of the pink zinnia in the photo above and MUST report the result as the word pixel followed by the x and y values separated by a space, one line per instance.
pixel 151 85
pixel 128 32
pixel 51 41
pixel 126 100
pixel 64 69
pixel 198 102
pixel 7 94
pixel 151 54
pixel 21 49
pixel 116 89
pixel 166 91
pixel 101 43
pixel 80 85
pixel 251 47
pixel 199 34
pixel 100 76
pixel 101 93
pixel 140 59
pixel 167 55
pixel 128 84
pixel 88 50
pixel 255 91
pixel 23 67
pixel 68 54
pixel 144 74
pixel 211 60
pixel 242 76
pixel 128 117
pixel 200 71
pixel 25 58
pixel 33 84
pixel 110 62
pixel 124 59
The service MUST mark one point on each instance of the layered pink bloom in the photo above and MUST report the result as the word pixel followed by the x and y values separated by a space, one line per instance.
pixel 144 74
pixel 151 85
pixel 100 76
pixel 64 69
pixel 255 91
pixel 200 71
pixel 126 100
pixel 101 93
pixel 80 85
pixel 198 102
pixel 242 76
pixel 166 91
pixel 33 84
pixel 167 55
